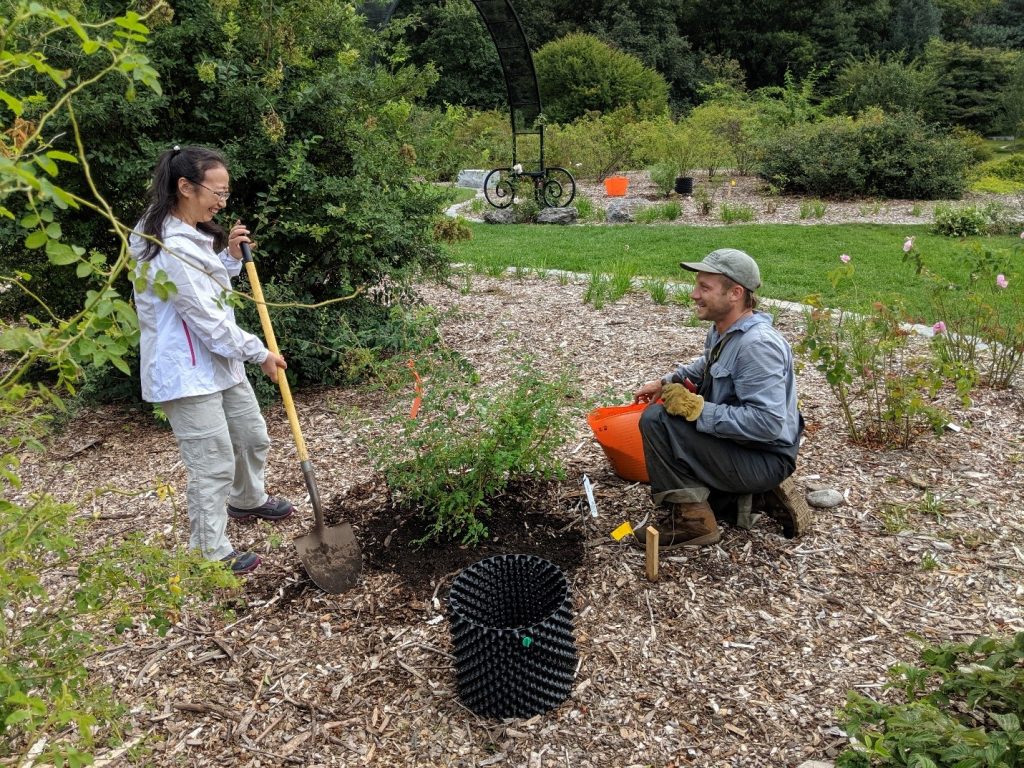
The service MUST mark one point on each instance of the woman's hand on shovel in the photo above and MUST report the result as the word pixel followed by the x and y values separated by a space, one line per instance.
pixel 271 364
pixel 239 234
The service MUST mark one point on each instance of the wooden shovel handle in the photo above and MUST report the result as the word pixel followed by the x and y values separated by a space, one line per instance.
pixel 268 333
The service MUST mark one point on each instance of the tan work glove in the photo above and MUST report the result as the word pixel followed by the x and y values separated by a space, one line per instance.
pixel 679 401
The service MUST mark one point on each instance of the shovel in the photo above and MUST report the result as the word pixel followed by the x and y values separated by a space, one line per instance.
pixel 331 556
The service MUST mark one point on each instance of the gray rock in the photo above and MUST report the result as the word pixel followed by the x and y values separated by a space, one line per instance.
pixel 500 216
pixel 619 212
pixel 816 764
pixel 557 215
pixel 472 178
pixel 825 499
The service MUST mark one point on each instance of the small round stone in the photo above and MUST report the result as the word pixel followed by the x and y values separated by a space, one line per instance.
pixel 825 498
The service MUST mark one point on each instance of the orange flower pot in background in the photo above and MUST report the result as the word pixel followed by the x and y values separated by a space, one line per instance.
pixel 616 186
pixel 617 430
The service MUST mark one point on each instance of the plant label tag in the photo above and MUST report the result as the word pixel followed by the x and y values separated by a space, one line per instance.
pixel 589 488
pixel 622 531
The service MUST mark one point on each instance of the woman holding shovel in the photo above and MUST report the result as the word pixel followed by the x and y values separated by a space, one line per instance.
pixel 193 351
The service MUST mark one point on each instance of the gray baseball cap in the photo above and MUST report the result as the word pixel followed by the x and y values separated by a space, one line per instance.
pixel 734 264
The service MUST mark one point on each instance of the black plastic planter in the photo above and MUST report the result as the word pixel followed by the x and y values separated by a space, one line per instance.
pixel 684 185
pixel 511 624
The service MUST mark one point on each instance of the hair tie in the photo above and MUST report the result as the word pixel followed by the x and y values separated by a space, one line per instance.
pixel 176 149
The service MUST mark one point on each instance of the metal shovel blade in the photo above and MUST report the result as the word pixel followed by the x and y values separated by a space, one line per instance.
pixel 331 556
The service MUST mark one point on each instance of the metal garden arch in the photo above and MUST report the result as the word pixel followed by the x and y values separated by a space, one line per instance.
pixel 552 186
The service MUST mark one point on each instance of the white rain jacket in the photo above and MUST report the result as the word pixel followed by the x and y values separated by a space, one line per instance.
pixel 190 344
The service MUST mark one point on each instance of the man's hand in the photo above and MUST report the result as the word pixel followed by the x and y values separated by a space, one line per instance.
pixel 272 364
pixel 648 393
pixel 679 401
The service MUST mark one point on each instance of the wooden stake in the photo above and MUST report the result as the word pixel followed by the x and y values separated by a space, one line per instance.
pixel 652 553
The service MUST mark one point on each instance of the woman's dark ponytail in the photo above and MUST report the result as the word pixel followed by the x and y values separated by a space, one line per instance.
pixel 190 163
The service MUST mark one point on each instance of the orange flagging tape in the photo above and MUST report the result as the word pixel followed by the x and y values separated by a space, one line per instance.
pixel 418 389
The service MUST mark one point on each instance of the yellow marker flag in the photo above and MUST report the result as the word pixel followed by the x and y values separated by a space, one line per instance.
pixel 622 531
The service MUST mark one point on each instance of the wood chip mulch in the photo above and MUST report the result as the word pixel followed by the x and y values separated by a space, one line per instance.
pixel 740 655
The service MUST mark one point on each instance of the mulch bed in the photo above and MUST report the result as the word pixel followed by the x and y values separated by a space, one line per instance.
pixel 740 655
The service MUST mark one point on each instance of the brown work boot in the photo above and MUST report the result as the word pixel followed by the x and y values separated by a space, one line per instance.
pixel 689 524
pixel 788 505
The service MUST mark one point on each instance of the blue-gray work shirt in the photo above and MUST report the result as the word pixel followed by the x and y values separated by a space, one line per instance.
pixel 750 395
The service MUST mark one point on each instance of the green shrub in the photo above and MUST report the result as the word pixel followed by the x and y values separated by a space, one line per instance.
pixel 963 706
pixel 470 441
pixel 884 82
pixel 580 73
pixel 894 156
pixel 594 146
pixel 448 140
pixel 959 221
pixel 812 209
pixel 664 176
pixel 884 390
pixel 969 220
pixel 1009 168
pixel 668 211
pixel 317 136
pixel 977 328
pixel 732 213
pixel 323 346
pixel 993 185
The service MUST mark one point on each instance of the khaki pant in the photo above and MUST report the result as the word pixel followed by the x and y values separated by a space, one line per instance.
pixel 223 442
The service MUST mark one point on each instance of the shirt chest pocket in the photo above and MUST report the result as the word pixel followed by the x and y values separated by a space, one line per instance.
pixel 723 388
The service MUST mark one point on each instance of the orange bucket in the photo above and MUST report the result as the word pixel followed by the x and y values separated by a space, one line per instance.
pixel 617 430
pixel 616 186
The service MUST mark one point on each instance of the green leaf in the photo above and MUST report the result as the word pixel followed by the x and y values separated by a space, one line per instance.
pixel 84 269
pixel 15 105
pixel 18 716
pixel 60 253
pixel 30 222
pixel 46 164
pixel 1008 722
pixel 131 21
pixel 67 157
pixel 121 365
pixel 19 340
pixel 36 239
pixel 53 230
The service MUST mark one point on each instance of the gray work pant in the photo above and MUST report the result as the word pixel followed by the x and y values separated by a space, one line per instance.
pixel 685 465
pixel 224 443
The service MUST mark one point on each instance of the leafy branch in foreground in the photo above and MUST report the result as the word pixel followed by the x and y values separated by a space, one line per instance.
pixel 60 603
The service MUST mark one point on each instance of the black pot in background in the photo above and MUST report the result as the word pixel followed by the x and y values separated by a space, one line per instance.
pixel 684 185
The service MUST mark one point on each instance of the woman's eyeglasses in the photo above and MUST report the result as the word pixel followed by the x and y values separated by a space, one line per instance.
pixel 222 196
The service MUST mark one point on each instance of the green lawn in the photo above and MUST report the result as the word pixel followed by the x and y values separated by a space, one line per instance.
pixel 461 194
pixel 795 260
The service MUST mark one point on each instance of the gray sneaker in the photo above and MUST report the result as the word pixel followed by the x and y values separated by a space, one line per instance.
pixel 272 510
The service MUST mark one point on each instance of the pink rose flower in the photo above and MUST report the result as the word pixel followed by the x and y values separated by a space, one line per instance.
pixel 939 327
pixel 845 258
pixel 1001 281
pixel 908 244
